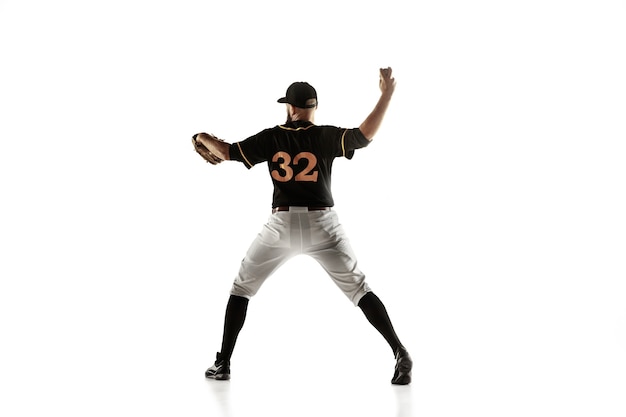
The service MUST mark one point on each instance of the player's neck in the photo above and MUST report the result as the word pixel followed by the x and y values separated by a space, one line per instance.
pixel 301 119
pixel 302 115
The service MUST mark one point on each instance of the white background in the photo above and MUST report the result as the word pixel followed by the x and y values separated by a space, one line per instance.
pixel 488 213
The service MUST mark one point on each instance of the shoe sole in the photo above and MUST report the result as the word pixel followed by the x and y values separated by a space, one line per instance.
pixel 218 377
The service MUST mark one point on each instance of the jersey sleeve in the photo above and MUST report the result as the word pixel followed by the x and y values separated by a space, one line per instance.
pixel 250 151
pixel 352 139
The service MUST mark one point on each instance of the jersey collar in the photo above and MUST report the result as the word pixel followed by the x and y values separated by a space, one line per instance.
pixel 297 125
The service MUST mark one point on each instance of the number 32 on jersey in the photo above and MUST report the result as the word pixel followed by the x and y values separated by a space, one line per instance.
pixel 286 163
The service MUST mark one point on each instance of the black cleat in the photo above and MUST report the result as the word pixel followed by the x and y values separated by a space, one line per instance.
pixel 404 365
pixel 220 370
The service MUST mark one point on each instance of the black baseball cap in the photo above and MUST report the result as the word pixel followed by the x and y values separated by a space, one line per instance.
pixel 300 94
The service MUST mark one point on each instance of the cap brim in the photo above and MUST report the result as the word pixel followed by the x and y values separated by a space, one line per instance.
pixel 282 100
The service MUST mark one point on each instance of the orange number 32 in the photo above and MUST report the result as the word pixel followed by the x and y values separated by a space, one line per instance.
pixel 285 164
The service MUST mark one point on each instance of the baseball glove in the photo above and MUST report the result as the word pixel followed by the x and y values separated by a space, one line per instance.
pixel 204 152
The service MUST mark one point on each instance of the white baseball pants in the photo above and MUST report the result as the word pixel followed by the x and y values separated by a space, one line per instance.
pixel 316 233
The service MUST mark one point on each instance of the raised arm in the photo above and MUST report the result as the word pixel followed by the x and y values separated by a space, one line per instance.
pixel 370 125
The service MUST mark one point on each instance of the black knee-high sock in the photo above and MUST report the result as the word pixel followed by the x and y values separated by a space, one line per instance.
pixel 233 322
pixel 376 314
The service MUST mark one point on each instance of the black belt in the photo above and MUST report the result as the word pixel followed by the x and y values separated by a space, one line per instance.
pixel 286 208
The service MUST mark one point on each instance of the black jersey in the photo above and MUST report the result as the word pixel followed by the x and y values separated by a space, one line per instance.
pixel 299 156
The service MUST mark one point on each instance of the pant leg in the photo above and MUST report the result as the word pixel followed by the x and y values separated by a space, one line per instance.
pixel 331 248
pixel 270 249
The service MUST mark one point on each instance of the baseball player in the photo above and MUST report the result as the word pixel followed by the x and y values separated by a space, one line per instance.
pixel 299 155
